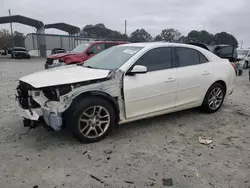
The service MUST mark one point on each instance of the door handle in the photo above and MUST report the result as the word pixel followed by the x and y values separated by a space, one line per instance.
pixel 206 73
pixel 170 79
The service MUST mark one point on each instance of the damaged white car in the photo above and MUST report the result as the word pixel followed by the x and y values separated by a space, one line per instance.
pixel 123 84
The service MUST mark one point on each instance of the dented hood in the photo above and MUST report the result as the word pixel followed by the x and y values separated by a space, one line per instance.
pixel 63 75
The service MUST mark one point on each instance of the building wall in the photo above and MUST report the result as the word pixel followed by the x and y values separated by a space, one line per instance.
pixel 54 41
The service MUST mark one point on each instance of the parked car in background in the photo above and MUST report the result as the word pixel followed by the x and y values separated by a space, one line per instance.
pixel 244 57
pixel 80 54
pixel 225 52
pixel 57 51
pixel 19 53
pixel 123 84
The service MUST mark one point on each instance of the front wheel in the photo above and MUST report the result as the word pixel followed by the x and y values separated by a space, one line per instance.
pixel 214 98
pixel 92 119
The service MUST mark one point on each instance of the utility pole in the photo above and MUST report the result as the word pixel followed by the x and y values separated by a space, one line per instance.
pixel 125 27
pixel 11 30
pixel 241 44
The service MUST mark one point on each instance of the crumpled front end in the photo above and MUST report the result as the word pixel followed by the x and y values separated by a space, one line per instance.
pixel 50 103
pixel 33 105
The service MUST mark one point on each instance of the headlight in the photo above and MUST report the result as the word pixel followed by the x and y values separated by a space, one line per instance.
pixel 56 61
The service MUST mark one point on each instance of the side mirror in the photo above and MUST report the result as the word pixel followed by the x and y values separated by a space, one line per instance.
pixel 138 69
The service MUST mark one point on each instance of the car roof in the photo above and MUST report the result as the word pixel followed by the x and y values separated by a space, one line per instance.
pixel 150 45
pixel 98 42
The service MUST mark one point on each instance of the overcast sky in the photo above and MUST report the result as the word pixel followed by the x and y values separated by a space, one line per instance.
pixel 153 15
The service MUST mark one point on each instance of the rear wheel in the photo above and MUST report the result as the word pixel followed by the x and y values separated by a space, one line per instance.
pixel 214 98
pixel 92 119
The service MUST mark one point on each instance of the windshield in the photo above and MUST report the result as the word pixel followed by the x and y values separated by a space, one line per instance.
pixel 81 48
pixel 242 52
pixel 112 58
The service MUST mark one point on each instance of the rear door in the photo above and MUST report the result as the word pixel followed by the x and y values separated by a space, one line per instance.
pixel 194 76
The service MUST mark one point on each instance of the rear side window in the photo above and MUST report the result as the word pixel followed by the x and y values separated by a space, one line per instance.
pixel 156 59
pixel 109 45
pixel 186 57
pixel 203 59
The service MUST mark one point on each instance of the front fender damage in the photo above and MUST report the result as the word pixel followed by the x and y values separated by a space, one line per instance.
pixel 53 110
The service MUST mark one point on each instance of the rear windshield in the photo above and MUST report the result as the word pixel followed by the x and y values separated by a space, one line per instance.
pixel 227 51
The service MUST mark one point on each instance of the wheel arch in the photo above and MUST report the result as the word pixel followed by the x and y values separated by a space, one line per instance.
pixel 112 100
pixel 220 81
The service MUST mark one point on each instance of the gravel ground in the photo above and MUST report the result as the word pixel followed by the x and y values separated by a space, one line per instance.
pixel 156 152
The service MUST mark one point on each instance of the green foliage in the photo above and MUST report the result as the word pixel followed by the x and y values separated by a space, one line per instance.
pixel 170 35
pixel 5 39
pixel 140 35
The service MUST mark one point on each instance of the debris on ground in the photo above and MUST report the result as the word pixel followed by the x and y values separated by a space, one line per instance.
pixel 129 182
pixel 167 182
pixel 108 152
pixel 97 179
pixel 205 140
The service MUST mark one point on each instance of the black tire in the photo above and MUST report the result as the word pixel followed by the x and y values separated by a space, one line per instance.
pixel 205 105
pixel 79 107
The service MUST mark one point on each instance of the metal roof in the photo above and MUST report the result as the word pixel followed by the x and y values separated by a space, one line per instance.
pixel 23 20
pixel 97 30
pixel 64 27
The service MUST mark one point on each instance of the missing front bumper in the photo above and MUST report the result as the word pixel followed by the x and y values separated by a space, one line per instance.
pixel 32 116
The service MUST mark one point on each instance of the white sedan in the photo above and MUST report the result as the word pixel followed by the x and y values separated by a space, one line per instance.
pixel 123 84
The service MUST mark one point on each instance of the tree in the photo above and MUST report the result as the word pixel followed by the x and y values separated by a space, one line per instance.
pixel 225 38
pixel 140 35
pixel 170 35
pixel 19 39
pixel 182 39
pixel 100 25
pixel 5 38
pixel 200 36
pixel 116 35
pixel 158 38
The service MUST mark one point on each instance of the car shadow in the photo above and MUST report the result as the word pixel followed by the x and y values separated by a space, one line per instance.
pixel 42 139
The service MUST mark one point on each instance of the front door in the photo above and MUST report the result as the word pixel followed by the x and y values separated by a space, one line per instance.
pixel 155 90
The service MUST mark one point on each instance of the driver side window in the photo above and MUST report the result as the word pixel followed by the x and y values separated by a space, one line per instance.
pixel 97 48
pixel 156 59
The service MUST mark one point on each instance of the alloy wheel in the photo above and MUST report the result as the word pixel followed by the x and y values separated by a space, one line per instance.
pixel 94 122
pixel 215 98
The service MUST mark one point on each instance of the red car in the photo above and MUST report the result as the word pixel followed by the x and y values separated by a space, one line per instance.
pixel 80 54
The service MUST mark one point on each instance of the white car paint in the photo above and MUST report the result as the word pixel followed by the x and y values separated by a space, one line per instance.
pixel 63 75
pixel 245 59
pixel 144 95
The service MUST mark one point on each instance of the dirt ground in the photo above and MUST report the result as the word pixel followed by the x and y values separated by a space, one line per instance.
pixel 156 152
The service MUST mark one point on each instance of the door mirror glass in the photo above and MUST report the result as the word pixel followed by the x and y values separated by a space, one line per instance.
pixel 138 69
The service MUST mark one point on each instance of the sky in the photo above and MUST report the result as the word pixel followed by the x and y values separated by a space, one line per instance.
pixel 153 15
